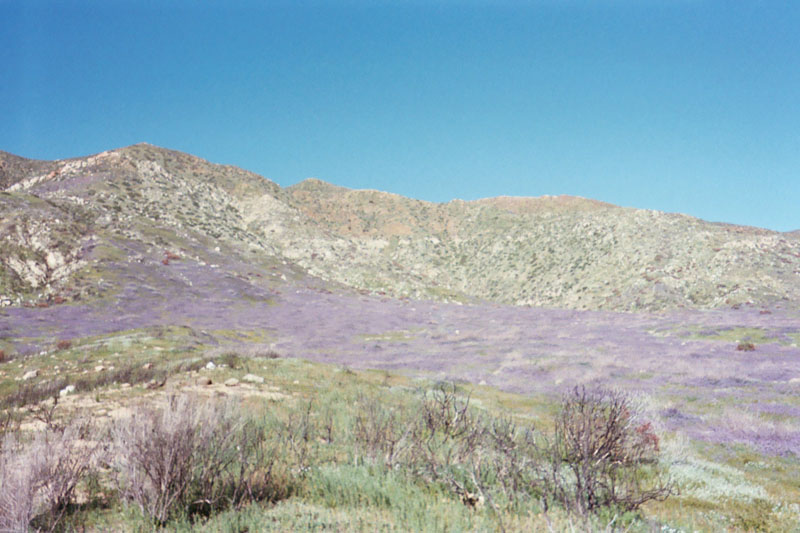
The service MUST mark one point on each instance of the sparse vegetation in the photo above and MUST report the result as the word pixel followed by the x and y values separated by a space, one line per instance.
pixel 188 459
pixel 131 373
pixel 363 449
pixel 312 446
pixel 561 251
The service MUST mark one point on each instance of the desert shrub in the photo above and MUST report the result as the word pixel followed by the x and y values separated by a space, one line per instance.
pixel 38 477
pixel 46 413
pixel 64 344
pixel 601 455
pixel 133 373
pixel 441 441
pixel 447 438
pixel 514 459
pixel 32 393
pixel 70 457
pixel 261 472
pixel 439 421
pixel 191 457
pixel 297 436
pixel 379 431
pixel 18 474
pixel 600 459
pixel 164 454
pixel 8 423
pixel 756 515
pixel 443 410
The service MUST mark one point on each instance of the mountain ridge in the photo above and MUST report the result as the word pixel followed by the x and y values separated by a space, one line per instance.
pixel 551 251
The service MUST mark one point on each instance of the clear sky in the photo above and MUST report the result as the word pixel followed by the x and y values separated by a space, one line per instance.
pixel 690 106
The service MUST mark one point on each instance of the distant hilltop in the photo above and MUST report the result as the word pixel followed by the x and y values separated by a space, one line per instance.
pixel 65 224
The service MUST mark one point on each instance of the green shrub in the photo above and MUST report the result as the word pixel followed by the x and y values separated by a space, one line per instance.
pixel 756 515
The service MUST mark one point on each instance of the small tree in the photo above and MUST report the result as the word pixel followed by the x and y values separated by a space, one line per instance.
pixel 601 455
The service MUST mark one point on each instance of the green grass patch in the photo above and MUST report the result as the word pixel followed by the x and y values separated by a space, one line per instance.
pixel 388 336
pixel 740 334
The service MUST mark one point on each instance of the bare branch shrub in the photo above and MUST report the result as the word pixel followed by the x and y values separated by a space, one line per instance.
pixel 46 413
pixel 296 436
pixel 444 411
pixel 162 455
pixel 8 424
pixel 380 432
pixel 439 439
pixel 191 456
pixel 514 458
pixel 32 393
pixel 261 472
pixel 448 431
pixel 39 477
pixel 442 439
pixel 69 457
pixel 601 455
pixel 18 473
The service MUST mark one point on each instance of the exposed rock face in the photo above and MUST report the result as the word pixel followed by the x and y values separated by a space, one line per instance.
pixel 13 168
pixel 40 244
pixel 65 224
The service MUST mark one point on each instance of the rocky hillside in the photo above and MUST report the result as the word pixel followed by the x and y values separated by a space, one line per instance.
pixel 65 224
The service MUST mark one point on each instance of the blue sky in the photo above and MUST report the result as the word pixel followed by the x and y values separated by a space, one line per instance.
pixel 690 106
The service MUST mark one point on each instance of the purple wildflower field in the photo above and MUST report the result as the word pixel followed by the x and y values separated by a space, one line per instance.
pixel 698 384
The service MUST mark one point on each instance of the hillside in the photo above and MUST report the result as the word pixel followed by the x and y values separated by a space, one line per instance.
pixel 139 277
pixel 68 223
